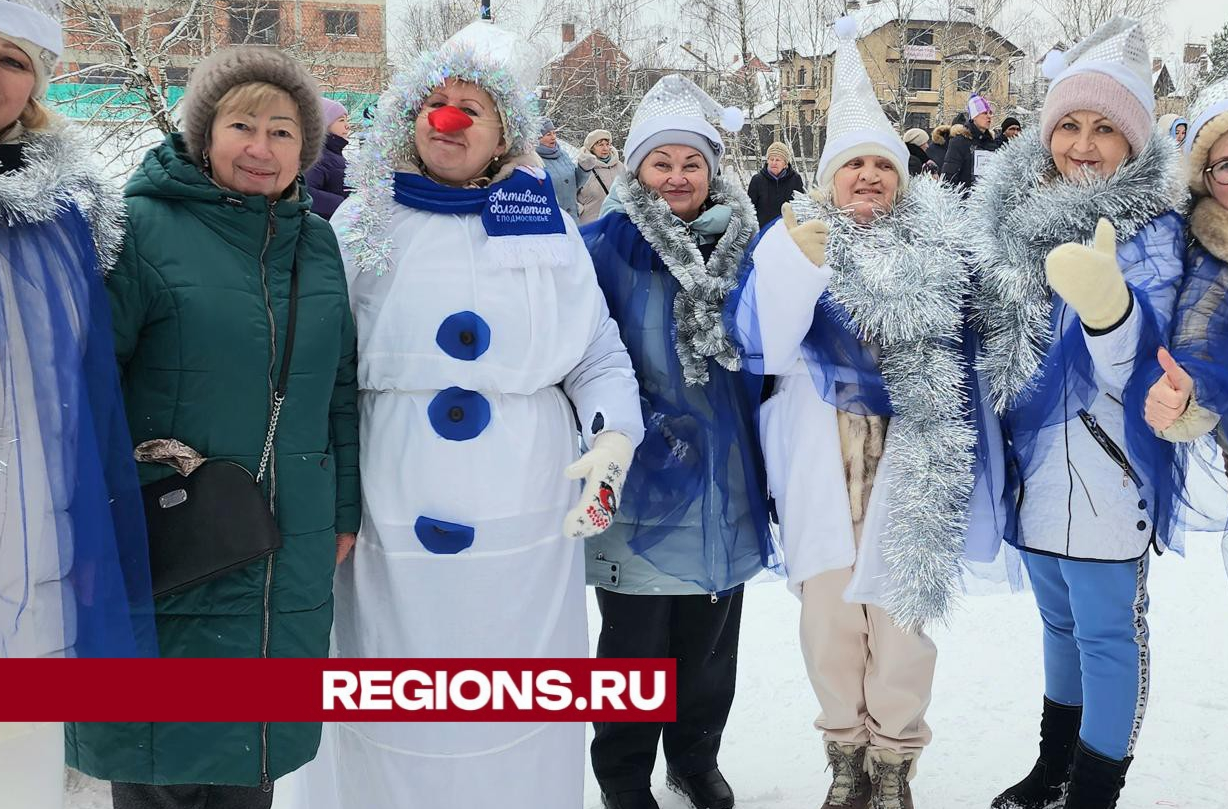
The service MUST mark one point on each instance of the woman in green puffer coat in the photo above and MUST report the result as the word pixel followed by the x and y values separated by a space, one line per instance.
pixel 217 218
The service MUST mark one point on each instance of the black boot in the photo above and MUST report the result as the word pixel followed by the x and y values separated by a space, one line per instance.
pixel 630 799
pixel 707 790
pixel 1095 781
pixel 1045 785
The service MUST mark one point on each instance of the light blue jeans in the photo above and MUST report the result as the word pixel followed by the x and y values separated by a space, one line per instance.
pixel 1096 650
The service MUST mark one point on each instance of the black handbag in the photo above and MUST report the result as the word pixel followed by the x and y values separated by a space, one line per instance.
pixel 216 520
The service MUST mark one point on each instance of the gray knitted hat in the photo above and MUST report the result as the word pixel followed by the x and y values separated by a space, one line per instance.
pixel 244 64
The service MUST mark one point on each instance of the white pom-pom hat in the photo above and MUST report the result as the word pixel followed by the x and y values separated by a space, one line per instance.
pixel 856 123
pixel 677 111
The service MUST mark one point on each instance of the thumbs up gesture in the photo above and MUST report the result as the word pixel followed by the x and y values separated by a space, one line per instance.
pixel 810 237
pixel 1089 279
pixel 1170 395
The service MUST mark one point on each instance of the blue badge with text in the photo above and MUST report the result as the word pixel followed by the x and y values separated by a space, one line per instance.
pixel 523 205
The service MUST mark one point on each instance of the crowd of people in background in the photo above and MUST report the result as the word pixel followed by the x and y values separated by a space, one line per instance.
pixel 453 414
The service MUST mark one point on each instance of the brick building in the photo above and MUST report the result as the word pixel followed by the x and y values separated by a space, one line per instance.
pixel 592 64
pixel 343 41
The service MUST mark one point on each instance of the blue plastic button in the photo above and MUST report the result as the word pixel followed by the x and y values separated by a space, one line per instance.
pixel 463 336
pixel 442 537
pixel 458 414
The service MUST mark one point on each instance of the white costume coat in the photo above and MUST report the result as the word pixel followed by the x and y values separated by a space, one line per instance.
pixel 473 353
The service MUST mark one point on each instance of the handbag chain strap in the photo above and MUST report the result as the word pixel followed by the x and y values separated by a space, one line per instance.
pixel 279 395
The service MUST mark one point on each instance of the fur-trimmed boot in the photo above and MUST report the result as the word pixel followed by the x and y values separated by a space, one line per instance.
pixel 1095 781
pixel 1045 786
pixel 889 772
pixel 850 783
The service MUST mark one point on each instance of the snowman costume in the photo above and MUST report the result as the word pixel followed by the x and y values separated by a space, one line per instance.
pixel 480 345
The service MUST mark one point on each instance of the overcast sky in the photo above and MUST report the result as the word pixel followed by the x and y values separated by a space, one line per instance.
pixel 1188 20
pixel 1194 21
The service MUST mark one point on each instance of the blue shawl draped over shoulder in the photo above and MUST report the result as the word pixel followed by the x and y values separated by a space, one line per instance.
pixel 74 558
pixel 695 500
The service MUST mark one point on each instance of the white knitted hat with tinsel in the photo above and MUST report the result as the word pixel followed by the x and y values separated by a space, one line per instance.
pixel 499 61
pixel 34 26
pixel 856 123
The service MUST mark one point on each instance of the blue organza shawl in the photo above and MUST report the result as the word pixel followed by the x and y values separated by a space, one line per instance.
pixel 695 500
pixel 1067 382
pixel 90 527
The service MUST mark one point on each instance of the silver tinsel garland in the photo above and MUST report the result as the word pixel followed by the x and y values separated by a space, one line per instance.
pixel 904 280
pixel 700 303
pixel 1020 210
pixel 390 142
pixel 59 172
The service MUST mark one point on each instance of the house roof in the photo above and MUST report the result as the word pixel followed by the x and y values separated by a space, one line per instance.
pixel 580 40
pixel 677 53
pixel 875 15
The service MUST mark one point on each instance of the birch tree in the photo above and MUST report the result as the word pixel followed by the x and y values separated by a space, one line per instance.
pixel 140 52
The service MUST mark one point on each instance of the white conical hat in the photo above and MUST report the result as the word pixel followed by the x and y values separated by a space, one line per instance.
pixel 676 110
pixel 1118 49
pixel 35 26
pixel 856 123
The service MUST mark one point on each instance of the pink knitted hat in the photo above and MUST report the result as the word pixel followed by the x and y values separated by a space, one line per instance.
pixel 1108 72
pixel 1099 93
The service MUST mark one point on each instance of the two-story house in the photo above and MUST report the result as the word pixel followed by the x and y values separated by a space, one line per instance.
pixel 924 66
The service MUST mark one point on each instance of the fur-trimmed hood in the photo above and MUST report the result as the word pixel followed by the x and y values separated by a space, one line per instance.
pixel 940 135
pixel 1196 161
pixel 1021 208
pixel 705 286
pixel 60 172
pixel 1209 225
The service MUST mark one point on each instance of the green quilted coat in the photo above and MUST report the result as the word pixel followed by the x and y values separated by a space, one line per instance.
pixel 200 299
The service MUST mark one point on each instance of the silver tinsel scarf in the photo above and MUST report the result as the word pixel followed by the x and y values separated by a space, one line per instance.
pixel 58 172
pixel 700 303
pixel 1020 210
pixel 904 280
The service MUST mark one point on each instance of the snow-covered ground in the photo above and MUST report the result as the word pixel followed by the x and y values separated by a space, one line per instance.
pixel 986 703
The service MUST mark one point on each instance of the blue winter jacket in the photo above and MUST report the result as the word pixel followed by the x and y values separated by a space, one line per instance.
pixel 567 178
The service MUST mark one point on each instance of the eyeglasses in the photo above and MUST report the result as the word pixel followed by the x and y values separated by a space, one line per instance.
pixel 1218 171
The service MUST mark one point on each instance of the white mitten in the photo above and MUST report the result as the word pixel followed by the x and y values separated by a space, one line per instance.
pixel 603 469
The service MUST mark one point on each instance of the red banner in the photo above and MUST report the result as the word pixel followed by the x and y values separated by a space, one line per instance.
pixel 312 690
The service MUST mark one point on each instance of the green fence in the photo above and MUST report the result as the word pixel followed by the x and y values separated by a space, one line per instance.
pixel 114 103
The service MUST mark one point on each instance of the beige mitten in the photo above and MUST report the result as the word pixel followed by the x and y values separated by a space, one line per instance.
pixel 1089 279
pixel 604 470
pixel 1194 423
pixel 810 238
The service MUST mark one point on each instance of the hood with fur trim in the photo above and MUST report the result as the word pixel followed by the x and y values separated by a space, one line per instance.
pixel 1208 134
pixel 1209 225
pixel 940 135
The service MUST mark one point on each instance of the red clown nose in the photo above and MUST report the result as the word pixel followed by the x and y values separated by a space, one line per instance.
pixel 449 119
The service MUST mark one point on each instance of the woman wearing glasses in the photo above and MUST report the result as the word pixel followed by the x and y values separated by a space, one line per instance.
pixel 1188 401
